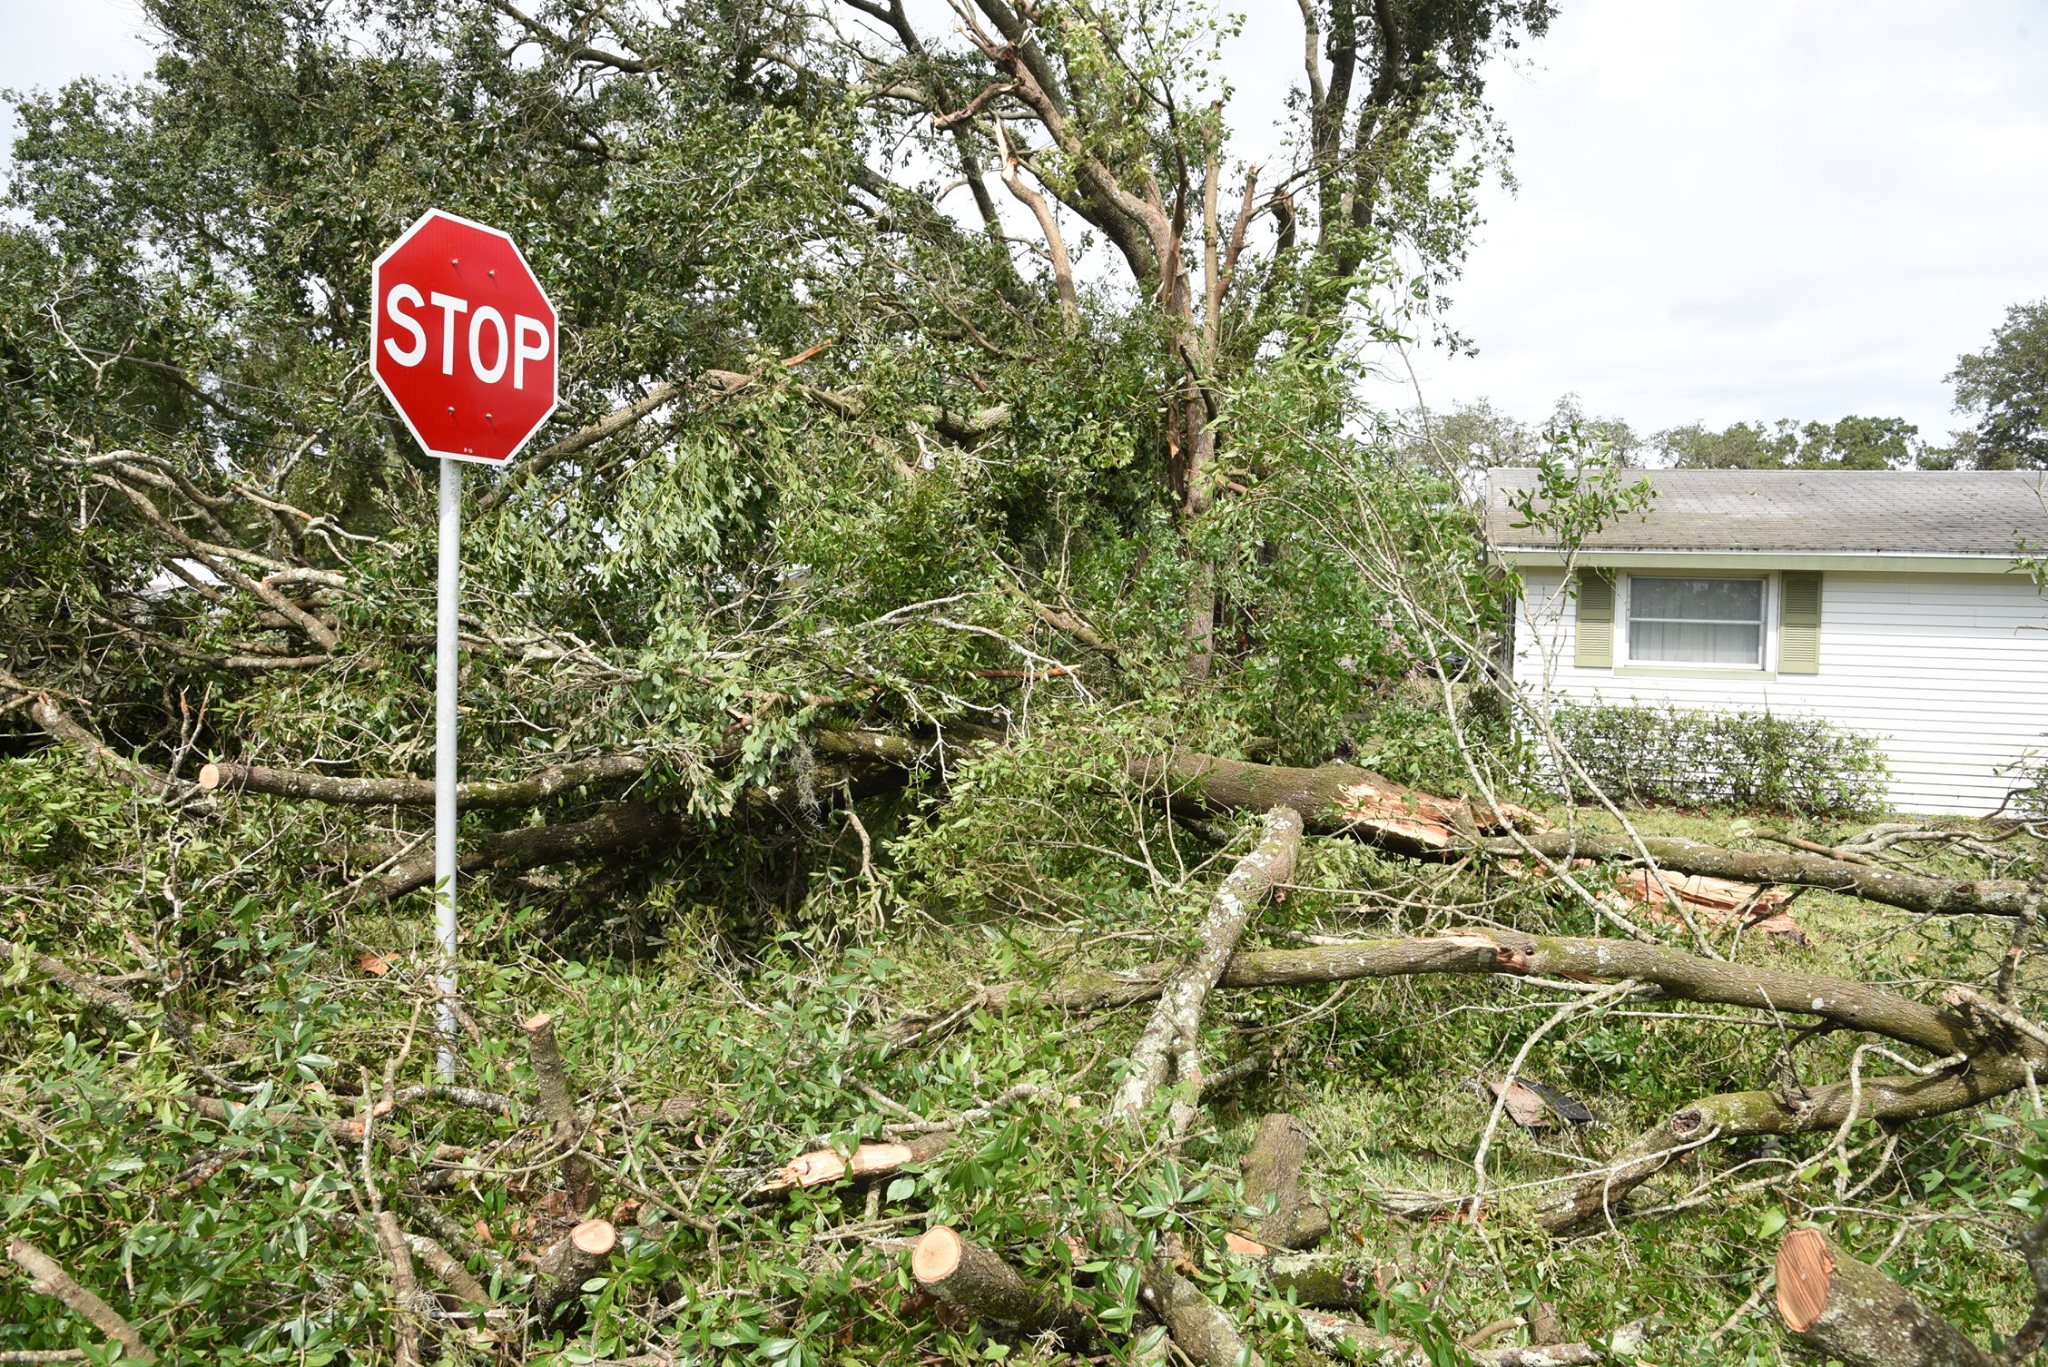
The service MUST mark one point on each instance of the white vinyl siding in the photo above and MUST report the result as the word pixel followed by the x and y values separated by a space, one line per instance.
pixel 1948 671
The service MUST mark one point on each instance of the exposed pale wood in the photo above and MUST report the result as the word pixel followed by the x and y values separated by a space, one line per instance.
pixel 1341 799
pixel 48 1278
pixel 566 1266
pixel 978 1281
pixel 1855 1314
pixel 819 1166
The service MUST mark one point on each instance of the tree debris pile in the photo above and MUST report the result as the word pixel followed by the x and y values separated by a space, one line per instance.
pixel 984 836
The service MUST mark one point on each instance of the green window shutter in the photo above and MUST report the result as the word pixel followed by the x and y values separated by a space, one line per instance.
pixel 1799 624
pixel 1594 636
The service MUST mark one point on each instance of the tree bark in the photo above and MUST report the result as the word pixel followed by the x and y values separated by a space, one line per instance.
pixel 1353 1341
pixel 558 1103
pixel 1198 1325
pixel 977 1280
pixel 1272 1179
pixel 1185 992
pixel 452 1273
pixel 47 1278
pixel 615 826
pixel 1853 1005
pixel 565 1267
pixel 1852 1312
pixel 302 786
pixel 1332 799
pixel 1342 799
pixel 1908 891
pixel 1738 1115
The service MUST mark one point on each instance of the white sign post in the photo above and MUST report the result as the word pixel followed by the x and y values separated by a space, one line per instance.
pixel 445 282
pixel 447 664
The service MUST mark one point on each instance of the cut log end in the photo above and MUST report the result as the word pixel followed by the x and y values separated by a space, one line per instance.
pixel 936 1256
pixel 1854 1314
pixel 594 1238
pixel 1805 1268
pixel 209 777
pixel 537 1023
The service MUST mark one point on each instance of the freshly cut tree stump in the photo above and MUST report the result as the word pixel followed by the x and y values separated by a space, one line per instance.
pixel 559 1104
pixel 565 1267
pixel 977 1280
pixel 1854 1313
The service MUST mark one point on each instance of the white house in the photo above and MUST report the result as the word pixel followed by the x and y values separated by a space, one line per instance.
pixel 1890 602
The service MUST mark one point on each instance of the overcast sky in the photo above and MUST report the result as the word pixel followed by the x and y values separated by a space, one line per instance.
pixel 1729 209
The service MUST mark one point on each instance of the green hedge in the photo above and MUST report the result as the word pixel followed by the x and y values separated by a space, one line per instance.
pixel 1751 761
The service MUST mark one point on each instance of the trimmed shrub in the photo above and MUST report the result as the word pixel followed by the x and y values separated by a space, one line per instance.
pixel 1702 757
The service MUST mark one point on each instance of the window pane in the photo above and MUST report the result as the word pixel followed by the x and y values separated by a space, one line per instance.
pixel 1703 643
pixel 1726 600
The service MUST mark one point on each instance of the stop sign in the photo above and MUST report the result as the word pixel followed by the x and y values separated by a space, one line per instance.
pixel 462 339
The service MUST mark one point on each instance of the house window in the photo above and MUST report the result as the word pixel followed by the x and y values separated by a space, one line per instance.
pixel 1685 621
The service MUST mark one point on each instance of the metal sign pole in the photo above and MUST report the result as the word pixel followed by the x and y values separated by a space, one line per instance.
pixel 447 638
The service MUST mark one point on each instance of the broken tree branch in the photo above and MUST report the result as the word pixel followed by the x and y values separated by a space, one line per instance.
pixel 1342 799
pixel 1743 1115
pixel 1272 1180
pixel 557 1102
pixel 47 1278
pixel 1853 1005
pixel 614 826
pixel 1186 990
pixel 299 785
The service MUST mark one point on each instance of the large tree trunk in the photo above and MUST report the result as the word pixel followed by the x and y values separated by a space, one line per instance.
pixel 1853 1313
pixel 1342 799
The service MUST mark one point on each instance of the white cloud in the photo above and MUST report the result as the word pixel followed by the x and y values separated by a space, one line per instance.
pixel 1753 210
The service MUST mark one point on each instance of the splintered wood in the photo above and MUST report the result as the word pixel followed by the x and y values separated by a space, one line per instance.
pixel 1427 820
pixel 1714 900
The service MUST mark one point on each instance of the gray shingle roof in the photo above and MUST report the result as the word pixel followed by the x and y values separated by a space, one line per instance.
pixel 1922 512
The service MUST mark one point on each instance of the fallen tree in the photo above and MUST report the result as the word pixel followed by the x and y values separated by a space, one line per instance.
pixel 1331 800
pixel 1975 1059
pixel 1344 800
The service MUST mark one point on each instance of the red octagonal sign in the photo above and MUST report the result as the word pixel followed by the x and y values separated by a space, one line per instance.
pixel 462 339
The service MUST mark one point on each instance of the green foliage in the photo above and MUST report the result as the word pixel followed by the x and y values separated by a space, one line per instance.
pixel 840 541
pixel 2005 388
pixel 1853 443
pixel 1480 435
pixel 1748 761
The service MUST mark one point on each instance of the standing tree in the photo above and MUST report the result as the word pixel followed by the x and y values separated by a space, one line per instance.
pixel 2005 387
